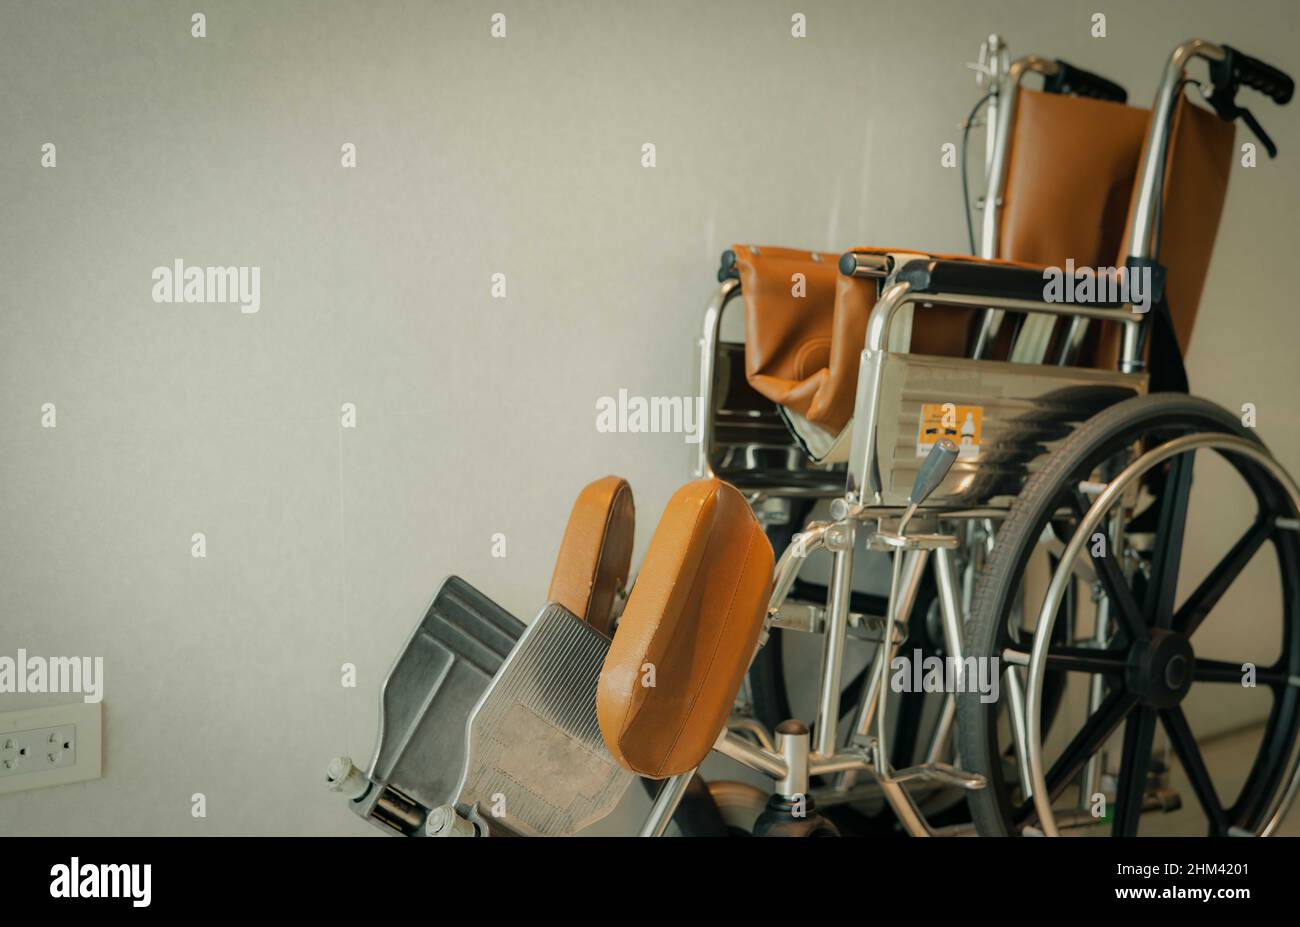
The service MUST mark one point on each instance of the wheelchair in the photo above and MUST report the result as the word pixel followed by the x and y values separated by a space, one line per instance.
pixel 1021 460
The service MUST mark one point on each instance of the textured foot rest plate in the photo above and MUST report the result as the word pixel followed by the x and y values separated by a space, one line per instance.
pixel 536 764
pixel 447 664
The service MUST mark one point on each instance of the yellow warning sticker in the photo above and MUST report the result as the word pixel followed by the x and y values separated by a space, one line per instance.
pixel 963 424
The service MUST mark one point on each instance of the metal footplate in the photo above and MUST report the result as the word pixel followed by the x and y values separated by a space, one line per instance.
pixel 942 773
pixel 443 670
pixel 536 764
pixel 488 727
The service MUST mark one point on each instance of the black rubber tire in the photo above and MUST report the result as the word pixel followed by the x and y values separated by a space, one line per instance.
pixel 1164 415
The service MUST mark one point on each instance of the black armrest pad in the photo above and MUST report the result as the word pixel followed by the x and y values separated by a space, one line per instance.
pixel 978 278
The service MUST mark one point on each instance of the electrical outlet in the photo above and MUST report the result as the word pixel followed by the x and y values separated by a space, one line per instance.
pixel 41 747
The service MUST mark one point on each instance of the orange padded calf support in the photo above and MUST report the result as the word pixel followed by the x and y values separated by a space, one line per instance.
pixel 596 553
pixel 688 632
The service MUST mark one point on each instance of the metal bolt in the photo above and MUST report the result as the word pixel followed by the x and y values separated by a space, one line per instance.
pixel 843 509
pixel 445 821
pixel 838 537
pixel 345 778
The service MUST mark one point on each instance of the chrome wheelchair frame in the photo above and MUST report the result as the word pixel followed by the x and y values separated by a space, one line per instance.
pixel 480 704
pixel 873 509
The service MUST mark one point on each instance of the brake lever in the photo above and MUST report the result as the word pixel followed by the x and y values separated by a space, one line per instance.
pixel 1258 129
pixel 1223 97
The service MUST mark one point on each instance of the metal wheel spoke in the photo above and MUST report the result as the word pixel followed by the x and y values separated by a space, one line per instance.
pixel 1203 599
pixel 1159 605
pixel 1224 671
pixel 1122 602
pixel 1189 754
pixel 1123 605
pixel 1139 734
pixel 1085 660
pixel 1101 724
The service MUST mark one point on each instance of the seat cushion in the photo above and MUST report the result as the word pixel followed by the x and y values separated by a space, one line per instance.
pixel 688 632
pixel 596 552
pixel 803 343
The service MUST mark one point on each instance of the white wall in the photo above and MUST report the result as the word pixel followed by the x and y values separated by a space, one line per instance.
pixel 476 156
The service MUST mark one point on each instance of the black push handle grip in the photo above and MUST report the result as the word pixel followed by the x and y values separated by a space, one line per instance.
pixel 1268 80
pixel 1073 80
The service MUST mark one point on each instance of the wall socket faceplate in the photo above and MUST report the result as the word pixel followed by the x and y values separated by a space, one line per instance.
pixel 40 747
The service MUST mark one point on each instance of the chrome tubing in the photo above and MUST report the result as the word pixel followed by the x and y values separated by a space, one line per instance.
pixel 909 815
pixel 861 488
pixel 1019 736
pixel 997 54
pixel 708 358
pixel 661 812
pixel 746 754
pixel 837 627
pixel 777 765
pixel 792 744
pixel 839 763
pixel 904 807
pixel 1151 174
pixel 810 540
pixel 991 321
pixel 949 609
pixel 910 583
pixel 754 728
pixel 1143 232
pixel 939 740
pixel 1092 770
pixel 881 668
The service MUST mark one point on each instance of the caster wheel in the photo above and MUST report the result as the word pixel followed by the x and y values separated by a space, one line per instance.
pixel 740 805
pixel 778 820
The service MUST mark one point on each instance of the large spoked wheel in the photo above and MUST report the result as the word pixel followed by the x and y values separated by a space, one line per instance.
pixel 1150 658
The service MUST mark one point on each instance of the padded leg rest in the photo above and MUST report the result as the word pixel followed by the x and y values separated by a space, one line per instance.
pixel 596 553
pixel 688 632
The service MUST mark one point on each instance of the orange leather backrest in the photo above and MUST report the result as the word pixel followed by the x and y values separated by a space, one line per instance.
pixel 1196 185
pixel 688 632
pixel 596 552
pixel 1070 177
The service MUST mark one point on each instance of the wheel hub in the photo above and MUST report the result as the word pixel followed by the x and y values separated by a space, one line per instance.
pixel 1160 668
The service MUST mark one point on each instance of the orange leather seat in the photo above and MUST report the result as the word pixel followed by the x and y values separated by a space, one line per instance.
pixel 803 351
pixel 596 553
pixel 688 633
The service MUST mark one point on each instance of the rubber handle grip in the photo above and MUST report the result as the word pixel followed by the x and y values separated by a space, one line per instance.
pixel 1080 83
pixel 1268 80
